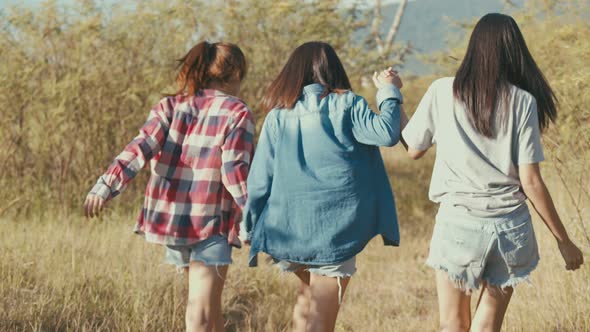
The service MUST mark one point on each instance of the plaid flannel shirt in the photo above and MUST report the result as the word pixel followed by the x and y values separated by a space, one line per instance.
pixel 200 148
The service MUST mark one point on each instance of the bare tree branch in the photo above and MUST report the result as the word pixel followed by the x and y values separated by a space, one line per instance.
pixel 377 19
pixel 385 46
pixel 395 24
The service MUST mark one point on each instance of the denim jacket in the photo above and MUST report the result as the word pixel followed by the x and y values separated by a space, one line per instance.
pixel 317 188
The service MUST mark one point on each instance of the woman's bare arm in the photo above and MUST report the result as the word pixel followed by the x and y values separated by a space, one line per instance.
pixel 414 154
pixel 537 193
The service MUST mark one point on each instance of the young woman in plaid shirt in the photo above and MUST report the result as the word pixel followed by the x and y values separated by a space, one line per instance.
pixel 199 143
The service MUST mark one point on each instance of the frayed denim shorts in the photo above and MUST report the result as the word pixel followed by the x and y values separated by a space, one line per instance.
pixel 337 270
pixel 501 252
pixel 212 251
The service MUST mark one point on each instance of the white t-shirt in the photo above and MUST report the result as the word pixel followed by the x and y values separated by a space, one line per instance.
pixel 474 175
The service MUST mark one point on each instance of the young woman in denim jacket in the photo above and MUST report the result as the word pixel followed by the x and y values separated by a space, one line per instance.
pixel 317 189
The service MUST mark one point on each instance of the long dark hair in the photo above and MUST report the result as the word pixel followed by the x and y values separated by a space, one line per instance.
pixel 312 62
pixel 498 56
pixel 208 62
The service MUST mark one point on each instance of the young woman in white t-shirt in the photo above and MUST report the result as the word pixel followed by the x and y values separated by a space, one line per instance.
pixel 486 123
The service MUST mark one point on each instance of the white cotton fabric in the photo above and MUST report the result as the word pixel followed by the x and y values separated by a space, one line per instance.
pixel 474 175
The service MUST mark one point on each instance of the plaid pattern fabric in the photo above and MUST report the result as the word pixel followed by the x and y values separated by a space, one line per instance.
pixel 200 148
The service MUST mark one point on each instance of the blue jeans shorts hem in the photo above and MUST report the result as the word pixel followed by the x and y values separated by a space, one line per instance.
pixel 337 270
pixel 514 279
pixel 470 251
pixel 461 283
pixel 213 251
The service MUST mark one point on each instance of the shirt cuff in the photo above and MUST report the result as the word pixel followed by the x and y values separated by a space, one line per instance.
pixel 389 91
pixel 101 190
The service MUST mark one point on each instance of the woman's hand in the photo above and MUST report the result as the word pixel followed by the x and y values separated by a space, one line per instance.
pixel 388 76
pixel 93 205
pixel 571 255
pixel 244 237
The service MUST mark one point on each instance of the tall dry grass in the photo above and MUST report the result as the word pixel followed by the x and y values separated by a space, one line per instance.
pixel 61 272
pixel 67 273
pixel 78 77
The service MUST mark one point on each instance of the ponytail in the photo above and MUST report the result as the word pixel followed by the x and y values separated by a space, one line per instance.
pixel 210 62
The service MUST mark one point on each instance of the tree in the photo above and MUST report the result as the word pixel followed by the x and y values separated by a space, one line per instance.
pixel 78 78
pixel 386 45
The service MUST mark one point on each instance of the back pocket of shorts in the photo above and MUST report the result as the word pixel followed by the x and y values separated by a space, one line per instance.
pixel 518 245
pixel 462 245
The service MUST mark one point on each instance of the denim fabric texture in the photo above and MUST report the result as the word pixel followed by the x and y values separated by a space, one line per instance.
pixel 501 251
pixel 213 251
pixel 337 270
pixel 318 191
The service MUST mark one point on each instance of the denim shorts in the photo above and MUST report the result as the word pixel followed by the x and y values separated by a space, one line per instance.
pixel 501 252
pixel 212 251
pixel 337 270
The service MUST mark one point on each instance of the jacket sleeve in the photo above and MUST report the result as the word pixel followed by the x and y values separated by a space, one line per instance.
pixel 136 154
pixel 381 129
pixel 260 178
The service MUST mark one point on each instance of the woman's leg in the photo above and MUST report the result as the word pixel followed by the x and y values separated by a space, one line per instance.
pixel 491 307
pixel 324 302
pixel 218 312
pixel 453 305
pixel 205 285
pixel 301 309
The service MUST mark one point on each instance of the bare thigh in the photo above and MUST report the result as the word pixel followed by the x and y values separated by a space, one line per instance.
pixel 301 308
pixel 206 282
pixel 453 305
pixel 491 308
pixel 324 302
pixel 204 296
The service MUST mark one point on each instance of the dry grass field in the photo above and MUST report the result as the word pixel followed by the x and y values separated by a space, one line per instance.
pixel 67 273
pixel 77 81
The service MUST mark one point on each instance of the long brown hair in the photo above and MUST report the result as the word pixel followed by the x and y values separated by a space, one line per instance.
pixel 496 57
pixel 312 62
pixel 208 62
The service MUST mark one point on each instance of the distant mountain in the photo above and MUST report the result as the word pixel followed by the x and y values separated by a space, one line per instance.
pixel 427 24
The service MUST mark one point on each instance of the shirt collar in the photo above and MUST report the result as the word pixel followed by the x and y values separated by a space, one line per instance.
pixel 314 88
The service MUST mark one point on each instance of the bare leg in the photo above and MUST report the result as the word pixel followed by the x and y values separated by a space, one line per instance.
pixel 324 306
pixel 203 310
pixel 218 311
pixel 301 309
pixel 453 305
pixel 491 307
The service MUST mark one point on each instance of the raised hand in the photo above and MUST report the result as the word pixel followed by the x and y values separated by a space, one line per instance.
pixel 387 76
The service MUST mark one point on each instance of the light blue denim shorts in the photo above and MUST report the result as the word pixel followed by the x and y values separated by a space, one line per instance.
pixel 501 252
pixel 212 251
pixel 337 270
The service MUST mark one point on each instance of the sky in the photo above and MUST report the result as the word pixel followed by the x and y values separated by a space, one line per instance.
pixel 7 3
